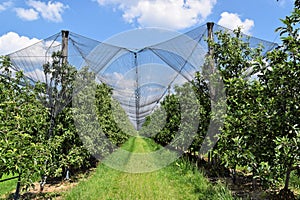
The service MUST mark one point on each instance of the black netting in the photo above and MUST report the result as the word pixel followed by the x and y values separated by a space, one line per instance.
pixel 140 78
pixel 253 41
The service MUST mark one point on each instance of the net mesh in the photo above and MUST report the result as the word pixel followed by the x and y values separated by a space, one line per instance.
pixel 140 78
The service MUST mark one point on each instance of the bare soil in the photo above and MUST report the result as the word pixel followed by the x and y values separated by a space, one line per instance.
pixel 53 189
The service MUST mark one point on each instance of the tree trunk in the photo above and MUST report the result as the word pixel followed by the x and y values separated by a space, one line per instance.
pixel 43 182
pixel 287 179
pixel 254 181
pixel 52 125
pixel 234 175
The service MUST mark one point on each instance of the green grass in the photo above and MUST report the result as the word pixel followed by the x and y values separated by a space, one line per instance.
pixel 7 186
pixel 142 145
pixel 180 180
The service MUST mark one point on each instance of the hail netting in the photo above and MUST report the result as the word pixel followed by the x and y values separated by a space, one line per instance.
pixel 32 58
pixel 140 77
pixel 253 41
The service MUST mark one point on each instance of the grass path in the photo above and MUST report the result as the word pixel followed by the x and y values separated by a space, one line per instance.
pixel 177 181
pixel 7 186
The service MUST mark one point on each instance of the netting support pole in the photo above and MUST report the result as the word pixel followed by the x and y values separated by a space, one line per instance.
pixel 137 93
pixel 211 70
pixel 210 36
pixel 64 56
pixel 64 46
pixel 211 62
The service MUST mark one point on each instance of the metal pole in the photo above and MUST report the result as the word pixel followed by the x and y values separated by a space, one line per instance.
pixel 137 94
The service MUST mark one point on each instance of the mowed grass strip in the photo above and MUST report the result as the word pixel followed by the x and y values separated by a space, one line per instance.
pixel 180 180
pixel 7 186
pixel 140 145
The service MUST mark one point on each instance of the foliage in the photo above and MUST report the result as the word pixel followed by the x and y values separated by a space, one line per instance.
pixel 71 150
pixel 181 116
pixel 171 108
pixel 38 133
pixel 281 86
pixel 202 92
pixel 102 123
pixel 111 116
pixel 85 116
pixel 261 128
pixel 295 180
pixel 23 122
pixel 63 141
pixel 242 140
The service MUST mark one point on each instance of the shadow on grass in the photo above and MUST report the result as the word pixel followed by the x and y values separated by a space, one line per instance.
pixel 36 196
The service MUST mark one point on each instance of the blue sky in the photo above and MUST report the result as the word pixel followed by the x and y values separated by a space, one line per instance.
pixel 24 22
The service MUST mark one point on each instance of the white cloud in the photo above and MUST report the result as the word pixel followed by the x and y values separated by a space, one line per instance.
pixel 172 14
pixel 11 42
pixel 284 3
pixel 27 14
pixel 51 11
pixel 233 21
pixel 37 75
pixel 5 5
pixel 29 60
pixel 125 84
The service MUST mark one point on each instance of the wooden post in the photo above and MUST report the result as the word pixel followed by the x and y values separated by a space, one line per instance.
pixel 210 36
pixel 64 46
pixel 64 57
pixel 211 76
